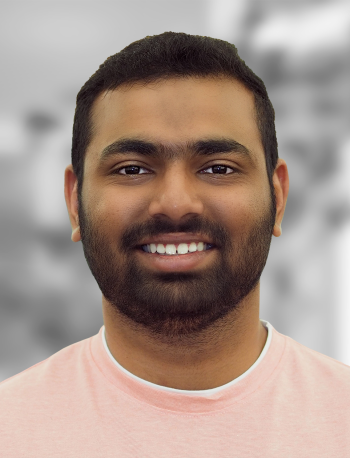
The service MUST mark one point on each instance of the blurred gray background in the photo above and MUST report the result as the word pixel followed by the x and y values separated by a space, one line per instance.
pixel 48 297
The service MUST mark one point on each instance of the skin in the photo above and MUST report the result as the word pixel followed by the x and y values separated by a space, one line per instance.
pixel 172 112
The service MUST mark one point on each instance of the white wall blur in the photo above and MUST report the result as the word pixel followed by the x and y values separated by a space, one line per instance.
pixel 49 48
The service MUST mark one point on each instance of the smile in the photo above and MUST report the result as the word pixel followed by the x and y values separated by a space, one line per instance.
pixel 172 249
pixel 180 257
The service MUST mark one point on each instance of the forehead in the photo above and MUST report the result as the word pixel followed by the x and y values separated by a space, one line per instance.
pixel 176 111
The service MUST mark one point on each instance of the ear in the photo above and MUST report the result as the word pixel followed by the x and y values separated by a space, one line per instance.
pixel 71 196
pixel 281 186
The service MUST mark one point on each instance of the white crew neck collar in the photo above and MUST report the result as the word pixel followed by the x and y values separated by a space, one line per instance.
pixel 193 392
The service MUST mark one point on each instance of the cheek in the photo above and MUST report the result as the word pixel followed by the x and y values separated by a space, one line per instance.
pixel 229 204
pixel 238 212
pixel 116 211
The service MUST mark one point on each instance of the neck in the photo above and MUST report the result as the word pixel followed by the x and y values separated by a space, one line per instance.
pixel 208 360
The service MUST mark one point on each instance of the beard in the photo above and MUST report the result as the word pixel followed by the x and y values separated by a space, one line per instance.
pixel 177 304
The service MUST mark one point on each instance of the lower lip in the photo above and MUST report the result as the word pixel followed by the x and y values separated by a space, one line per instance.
pixel 176 263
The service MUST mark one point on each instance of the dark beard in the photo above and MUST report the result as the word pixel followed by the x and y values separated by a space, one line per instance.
pixel 175 304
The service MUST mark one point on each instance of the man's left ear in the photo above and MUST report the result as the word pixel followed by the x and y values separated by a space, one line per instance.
pixel 281 186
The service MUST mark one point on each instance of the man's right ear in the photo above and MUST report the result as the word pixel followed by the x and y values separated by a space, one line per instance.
pixel 71 196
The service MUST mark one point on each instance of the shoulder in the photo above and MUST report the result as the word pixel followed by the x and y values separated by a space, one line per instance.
pixel 313 371
pixel 45 375
pixel 301 354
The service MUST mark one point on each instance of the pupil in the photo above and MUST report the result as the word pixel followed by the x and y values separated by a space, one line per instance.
pixel 219 169
pixel 130 169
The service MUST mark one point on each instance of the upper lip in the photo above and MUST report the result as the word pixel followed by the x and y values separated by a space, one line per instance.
pixel 176 238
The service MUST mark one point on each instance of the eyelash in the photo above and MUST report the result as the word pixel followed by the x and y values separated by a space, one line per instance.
pixel 139 167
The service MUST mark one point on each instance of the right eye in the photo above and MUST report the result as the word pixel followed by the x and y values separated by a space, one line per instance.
pixel 130 170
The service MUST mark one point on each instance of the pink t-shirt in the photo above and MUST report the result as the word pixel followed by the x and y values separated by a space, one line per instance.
pixel 292 403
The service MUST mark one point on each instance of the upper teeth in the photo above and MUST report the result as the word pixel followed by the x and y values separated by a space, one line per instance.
pixel 170 248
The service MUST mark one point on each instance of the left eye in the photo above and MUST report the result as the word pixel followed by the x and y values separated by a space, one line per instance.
pixel 219 169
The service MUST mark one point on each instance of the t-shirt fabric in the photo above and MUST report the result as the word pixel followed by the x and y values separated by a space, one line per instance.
pixel 293 402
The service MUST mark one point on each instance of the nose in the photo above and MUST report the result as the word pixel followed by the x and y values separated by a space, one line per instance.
pixel 176 194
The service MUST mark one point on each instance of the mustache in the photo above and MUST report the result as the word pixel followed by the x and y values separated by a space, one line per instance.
pixel 132 236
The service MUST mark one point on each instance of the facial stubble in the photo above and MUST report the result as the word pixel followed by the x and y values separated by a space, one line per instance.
pixel 176 304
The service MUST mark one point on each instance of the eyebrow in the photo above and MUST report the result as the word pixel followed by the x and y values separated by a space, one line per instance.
pixel 170 151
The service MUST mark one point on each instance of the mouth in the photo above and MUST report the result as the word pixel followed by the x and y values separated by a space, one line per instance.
pixel 175 249
pixel 176 257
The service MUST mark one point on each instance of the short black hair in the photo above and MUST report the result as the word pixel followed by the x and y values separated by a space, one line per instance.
pixel 171 55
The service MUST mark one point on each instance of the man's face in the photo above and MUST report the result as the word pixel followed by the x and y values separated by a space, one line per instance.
pixel 188 187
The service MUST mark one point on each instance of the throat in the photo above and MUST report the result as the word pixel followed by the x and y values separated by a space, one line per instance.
pixel 202 361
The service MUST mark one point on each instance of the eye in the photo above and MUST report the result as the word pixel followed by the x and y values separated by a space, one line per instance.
pixel 130 170
pixel 219 169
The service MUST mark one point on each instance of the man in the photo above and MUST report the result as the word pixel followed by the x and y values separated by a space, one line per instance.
pixel 175 190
